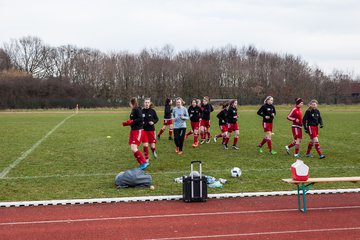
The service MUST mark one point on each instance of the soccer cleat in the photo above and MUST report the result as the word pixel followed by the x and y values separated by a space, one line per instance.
pixel 144 166
pixel 272 152
pixel 287 150
pixel 225 146
pixel 309 155
pixel 155 154
pixel 235 147
pixel 208 141
pixel 297 155
pixel 170 138
pixel 260 149
pixel 176 149
pixel 158 137
pixel 215 139
pixel 195 145
pixel 322 156
pixel 180 152
pixel 202 141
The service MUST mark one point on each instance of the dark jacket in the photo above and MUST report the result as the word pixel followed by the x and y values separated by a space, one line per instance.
pixel 222 116
pixel 267 110
pixel 149 115
pixel 167 112
pixel 312 117
pixel 232 115
pixel 194 113
pixel 206 111
pixel 136 116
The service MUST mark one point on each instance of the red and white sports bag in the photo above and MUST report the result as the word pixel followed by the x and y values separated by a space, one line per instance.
pixel 299 171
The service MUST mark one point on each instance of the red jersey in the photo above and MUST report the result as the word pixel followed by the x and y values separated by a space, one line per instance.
pixel 295 114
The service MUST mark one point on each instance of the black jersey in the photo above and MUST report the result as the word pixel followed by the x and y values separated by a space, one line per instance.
pixel 267 110
pixel 194 113
pixel 167 112
pixel 222 116
pixel 312 117
pixel 136 116
pixel 232 115
pixel 206 111
pixel 149 115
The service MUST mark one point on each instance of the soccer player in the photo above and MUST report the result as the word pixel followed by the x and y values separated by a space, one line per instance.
pixel 295 116
pixel 179 115
pixel 136 123
pixel 222 116
pixel 194 113
pixel 206 109
pixel 232 124
pixel 150 119
pixel 167 119
pixel 267 112
pixel 312 119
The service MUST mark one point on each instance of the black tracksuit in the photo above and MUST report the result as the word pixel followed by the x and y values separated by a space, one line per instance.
pixel 312 117
pixel 167 112
pixel 222 116
pixel 136 116
pixel 267 110
pixel 232 115
pixel 194 113
pixel 149 115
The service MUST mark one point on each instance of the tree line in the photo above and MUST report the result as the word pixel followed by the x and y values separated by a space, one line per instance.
pixel 36 75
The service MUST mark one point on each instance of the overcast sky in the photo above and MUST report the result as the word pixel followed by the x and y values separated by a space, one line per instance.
pixel 325 33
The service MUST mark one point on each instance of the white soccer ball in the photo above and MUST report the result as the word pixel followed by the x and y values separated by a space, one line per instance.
pixel 235 172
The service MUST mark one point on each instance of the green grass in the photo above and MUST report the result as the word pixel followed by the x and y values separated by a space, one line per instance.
pixel 78 161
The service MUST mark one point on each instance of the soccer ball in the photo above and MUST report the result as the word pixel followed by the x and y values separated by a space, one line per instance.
pixel 235 172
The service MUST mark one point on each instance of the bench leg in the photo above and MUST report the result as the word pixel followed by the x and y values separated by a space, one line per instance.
pixel 304 189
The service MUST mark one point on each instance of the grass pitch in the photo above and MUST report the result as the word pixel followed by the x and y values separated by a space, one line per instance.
pixel 78 160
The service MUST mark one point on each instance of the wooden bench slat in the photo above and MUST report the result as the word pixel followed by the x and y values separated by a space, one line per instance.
pixel 330 179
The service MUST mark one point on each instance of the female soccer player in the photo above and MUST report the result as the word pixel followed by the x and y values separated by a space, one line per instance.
pixel 232 124
pixel 295 116
pixel 195 114
pixel 167 119
pixel 311 120
pixel 222 116
pixel 150 119
pixel 267 112
pixel 179 115
pixel 136 123
pixel 206 109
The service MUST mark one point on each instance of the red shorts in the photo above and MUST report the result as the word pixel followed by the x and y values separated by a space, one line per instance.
pixel 313 131
pixel 267 127
pixel 195 126
pixel 223 128
pixel 297 132
pixel 135 137
pixel 233 127
pixel 168 122
pixel 205 123
pixel 148 137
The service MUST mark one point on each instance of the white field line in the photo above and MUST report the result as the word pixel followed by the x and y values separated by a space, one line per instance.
pixel 159 173
pixel 264 233
pixel 169 198
pixel 30 150
pixel 170 216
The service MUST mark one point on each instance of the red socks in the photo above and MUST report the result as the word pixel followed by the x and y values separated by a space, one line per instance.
pixel 269 143
pixel 317 147
pixel 297 148
pixel 146 152
pixel 139 157
pixel 263 142
pixel 291 145
pixel 170 132
pixel 236 140
pixel 153 149
pixel 309 148
pixel 161 132
pixel 196 138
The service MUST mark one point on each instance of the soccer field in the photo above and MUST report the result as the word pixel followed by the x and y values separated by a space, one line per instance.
pixel 59 155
